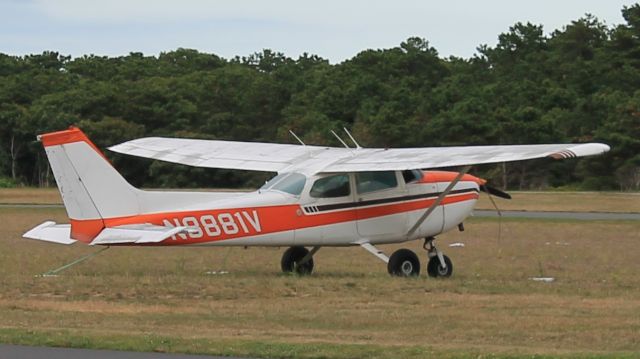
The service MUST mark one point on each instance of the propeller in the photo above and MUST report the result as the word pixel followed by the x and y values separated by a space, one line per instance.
pixel 492 191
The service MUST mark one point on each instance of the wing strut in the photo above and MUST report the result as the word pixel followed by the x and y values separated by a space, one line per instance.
pixel 441 197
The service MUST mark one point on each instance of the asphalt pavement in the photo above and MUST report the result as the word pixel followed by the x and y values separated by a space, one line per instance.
pixel 584 216
pixel 581 216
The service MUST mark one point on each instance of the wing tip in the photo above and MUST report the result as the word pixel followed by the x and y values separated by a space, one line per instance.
pixel 581 150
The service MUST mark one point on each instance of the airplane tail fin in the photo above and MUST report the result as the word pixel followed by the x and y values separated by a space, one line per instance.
pixel 91 188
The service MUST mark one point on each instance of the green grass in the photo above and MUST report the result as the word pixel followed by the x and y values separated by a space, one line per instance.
pixel 262 349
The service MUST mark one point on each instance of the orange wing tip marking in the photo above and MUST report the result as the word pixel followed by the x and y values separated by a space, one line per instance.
pixel 580 150
pixel 563 154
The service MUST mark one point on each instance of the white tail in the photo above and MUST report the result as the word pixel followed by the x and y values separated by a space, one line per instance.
pixel 90 187
pixel 96 196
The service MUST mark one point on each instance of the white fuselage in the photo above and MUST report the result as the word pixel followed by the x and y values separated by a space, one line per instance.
pixel 274 218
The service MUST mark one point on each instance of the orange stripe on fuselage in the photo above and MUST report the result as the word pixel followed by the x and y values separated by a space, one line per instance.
pixel 272 219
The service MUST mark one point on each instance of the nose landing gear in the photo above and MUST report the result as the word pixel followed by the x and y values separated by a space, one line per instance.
pixel 439 265
pixel 405 263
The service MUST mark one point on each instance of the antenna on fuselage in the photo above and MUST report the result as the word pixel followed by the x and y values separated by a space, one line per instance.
pixel 297 138
pixel 352 139
pixel 339 139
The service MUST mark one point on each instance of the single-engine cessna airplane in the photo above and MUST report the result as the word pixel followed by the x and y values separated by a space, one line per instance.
pixel 321 196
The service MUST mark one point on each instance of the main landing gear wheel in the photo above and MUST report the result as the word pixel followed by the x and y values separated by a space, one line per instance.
pixel 291 261
pixel 404 263
pixel 435 269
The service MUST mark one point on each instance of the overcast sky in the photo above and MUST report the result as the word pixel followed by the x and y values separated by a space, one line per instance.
pixel 333 29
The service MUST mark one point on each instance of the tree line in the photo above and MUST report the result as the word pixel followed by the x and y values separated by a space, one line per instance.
pixel 577 84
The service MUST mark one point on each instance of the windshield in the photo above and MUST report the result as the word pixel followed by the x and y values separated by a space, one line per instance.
pixel 292 183
pixel 273 181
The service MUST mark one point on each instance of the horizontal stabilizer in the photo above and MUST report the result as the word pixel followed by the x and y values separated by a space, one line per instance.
pixel 51 232
pixel 136 233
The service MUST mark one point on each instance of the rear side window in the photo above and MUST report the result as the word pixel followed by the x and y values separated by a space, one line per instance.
pixel 330 187
pixel 375 181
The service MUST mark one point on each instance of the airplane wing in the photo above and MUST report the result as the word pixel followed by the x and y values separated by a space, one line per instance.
pixel 256 156
pixel 274 157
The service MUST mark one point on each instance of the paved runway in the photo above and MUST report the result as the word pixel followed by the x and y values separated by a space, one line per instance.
pixel 25 352
pixel 584 216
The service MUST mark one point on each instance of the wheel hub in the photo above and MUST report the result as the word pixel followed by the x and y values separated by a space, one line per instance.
pixel 442 270
pixel 406 267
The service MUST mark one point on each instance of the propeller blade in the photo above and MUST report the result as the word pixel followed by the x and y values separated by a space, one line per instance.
pixel 495 192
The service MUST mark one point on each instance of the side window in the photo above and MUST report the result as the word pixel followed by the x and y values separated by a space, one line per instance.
pixel 332 186
pixel 411 176
pixel 375 181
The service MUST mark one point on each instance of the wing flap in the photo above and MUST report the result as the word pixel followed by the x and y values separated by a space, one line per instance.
pixel 136 233
pixel 51 232
pixel 275 157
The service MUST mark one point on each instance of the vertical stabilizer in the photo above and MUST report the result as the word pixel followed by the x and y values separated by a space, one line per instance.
pixel 90 187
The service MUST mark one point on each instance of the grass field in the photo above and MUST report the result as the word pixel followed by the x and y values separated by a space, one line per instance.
pixel 161 299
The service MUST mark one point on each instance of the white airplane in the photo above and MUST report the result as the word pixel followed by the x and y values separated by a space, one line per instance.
pixel 322 196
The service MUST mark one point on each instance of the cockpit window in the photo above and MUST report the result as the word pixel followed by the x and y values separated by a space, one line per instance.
pixel 411 176
pixel 292 184
pixel 331 186
pixel 375 181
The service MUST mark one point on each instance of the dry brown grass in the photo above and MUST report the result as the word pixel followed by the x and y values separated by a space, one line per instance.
pixel 489 306
pixel 30 195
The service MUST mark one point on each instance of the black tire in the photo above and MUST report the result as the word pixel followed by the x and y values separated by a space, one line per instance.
pixel 435 270
pixel 404 263
pixel 290 259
